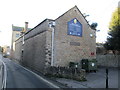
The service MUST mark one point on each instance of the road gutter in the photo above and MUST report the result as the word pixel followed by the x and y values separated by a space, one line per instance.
pixel 46 81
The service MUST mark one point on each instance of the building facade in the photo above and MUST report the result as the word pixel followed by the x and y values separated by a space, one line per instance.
pixel 16 34
pixel 69 38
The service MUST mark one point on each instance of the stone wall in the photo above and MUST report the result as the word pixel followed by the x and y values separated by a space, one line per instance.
pixel 18 49
pixel 108 60
pixel 65 72
pixel 33 53
pixel 48 48
pixel 43 26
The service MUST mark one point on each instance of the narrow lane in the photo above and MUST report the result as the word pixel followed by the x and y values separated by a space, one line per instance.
pixel 18 77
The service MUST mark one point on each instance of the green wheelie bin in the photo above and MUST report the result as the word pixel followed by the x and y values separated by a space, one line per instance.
pixel 89 65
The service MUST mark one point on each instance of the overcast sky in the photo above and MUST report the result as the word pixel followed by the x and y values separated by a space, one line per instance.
pixel 16 12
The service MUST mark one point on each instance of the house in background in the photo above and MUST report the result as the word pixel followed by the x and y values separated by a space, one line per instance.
pixel 69 38
pixel 17 32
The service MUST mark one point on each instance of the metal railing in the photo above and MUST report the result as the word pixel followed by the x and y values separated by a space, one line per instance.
pixel 3 75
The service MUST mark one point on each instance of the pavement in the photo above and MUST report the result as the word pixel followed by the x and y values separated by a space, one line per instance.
pixel 94 80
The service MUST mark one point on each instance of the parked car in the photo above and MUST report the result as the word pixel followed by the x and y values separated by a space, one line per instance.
pixel 7 54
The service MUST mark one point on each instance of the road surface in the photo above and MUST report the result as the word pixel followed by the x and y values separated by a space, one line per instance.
pixel 19 77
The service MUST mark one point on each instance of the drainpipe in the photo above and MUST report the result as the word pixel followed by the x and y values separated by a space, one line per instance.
pixel 52 61
pixel 52 25
pixel 23 39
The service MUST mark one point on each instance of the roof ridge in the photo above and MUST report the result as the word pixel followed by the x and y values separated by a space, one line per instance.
pixel 79 12
pixel 66 12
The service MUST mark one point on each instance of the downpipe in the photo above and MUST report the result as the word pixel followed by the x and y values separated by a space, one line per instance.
pixel 52 61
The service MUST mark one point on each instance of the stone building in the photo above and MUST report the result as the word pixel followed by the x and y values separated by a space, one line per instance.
pixel 69 38
pixel 17 33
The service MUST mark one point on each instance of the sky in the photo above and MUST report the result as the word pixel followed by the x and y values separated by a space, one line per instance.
pixel 17 12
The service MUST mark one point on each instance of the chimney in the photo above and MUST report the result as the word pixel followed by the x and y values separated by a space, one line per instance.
pixel 26 26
